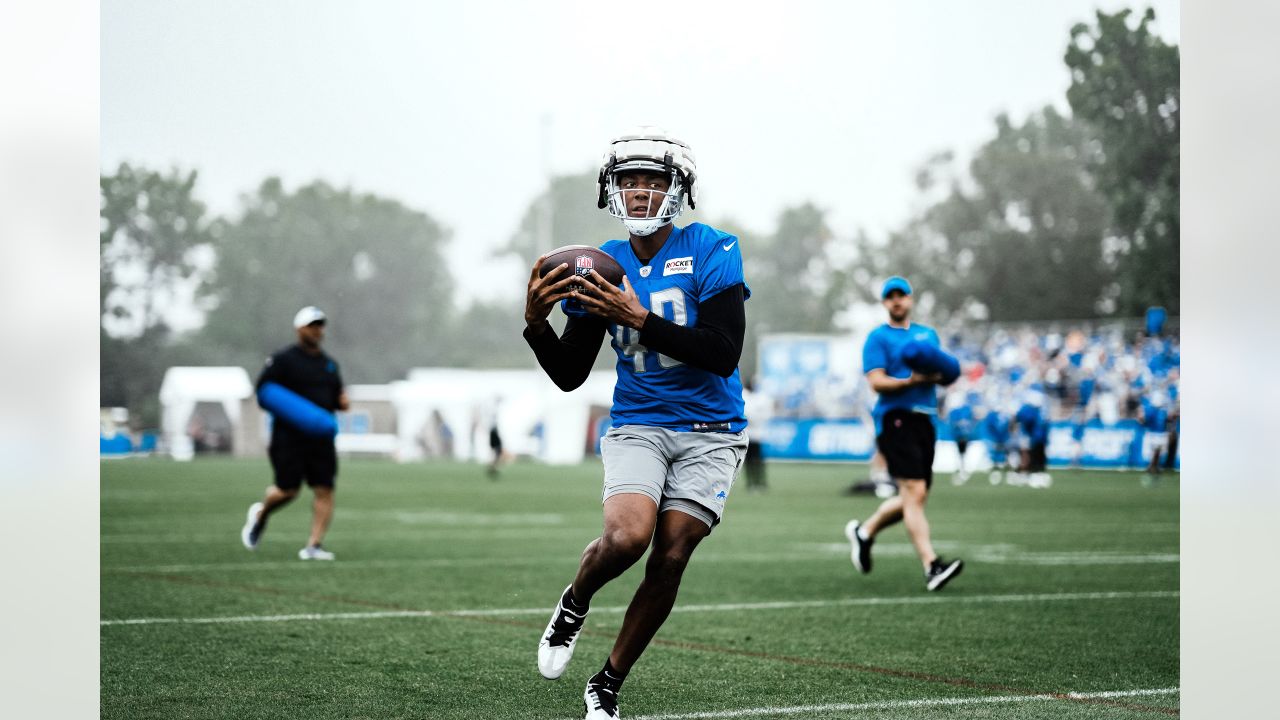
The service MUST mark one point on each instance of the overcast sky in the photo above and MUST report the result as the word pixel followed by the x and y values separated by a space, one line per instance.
pixel 461 108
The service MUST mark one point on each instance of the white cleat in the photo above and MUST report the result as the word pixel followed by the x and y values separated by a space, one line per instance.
pixel 247 536
pixel 601 702
pixel 555 649
pixel 315 552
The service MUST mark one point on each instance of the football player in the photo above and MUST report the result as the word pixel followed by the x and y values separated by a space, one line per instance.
pixel 676 444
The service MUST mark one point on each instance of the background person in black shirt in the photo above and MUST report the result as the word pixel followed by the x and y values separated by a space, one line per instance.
pixel 306 370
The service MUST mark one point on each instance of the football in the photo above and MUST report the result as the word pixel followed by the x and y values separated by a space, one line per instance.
pixel 582 259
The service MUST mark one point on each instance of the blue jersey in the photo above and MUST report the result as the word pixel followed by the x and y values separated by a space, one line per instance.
pixel 962 422
pixel 1031 422
pixel 996 426
pixel 696 263
pixel 883 349
pixel 1155 417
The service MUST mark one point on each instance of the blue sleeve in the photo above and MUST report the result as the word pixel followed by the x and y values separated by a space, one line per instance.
pixel 873 354
pixel 721 265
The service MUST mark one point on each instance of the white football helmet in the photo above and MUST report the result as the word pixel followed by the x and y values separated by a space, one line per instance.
pixel 652 149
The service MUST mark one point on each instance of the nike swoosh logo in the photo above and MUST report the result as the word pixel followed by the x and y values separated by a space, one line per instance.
pixel 730 245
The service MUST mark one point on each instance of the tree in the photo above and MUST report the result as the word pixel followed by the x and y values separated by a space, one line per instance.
pixel 153 233
pixel 790 273
pixel 563 214
pixel 376 267
pixel 153 230
pixel 798 284
pixel 1124 82
pixel 1020 238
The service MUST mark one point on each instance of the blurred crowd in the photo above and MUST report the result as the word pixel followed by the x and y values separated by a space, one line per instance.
pixel 1078 375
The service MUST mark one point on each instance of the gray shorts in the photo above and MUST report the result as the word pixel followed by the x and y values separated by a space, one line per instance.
pixel 692 472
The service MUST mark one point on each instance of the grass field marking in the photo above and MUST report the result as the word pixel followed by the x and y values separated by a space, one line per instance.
pixel 905 674
pixel 1011 555
pixel 619 609
pixel 275 618
pixel 341 565
pixel 826 555
pixel 904 704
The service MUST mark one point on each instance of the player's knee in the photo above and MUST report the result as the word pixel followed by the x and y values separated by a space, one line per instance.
pixel 914 492
pixel 669 565
pixel 624 543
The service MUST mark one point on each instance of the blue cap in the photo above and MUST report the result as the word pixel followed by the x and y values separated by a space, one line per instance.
pixel 895 283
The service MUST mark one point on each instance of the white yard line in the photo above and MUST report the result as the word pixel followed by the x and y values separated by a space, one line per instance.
pixel 821 554
pixel 618 609
pixel 903 704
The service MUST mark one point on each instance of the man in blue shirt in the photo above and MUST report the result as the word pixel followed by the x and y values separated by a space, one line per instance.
pixel 1154 415
pixel 995 426
pixel 960 418
pixel 677 441
pixel 905 435
pixel 1033 439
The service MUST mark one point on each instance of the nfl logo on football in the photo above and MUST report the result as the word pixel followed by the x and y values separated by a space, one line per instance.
pixel 583 265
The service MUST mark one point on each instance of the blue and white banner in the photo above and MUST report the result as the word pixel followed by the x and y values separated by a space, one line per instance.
pixel 1092 445
pixel 843 439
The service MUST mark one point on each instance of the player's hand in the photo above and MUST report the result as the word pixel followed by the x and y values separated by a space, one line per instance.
pixel 618 304
pixel 545 292
pixel 918 378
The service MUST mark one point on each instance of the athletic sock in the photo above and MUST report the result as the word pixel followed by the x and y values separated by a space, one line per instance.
pixel 572 603
pixel 609 677
pixel 862 534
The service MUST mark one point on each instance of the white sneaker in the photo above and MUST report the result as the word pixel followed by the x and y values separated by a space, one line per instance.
pixel 860 550
pixel 886 490
pixel 247 536
pixel 556 646
pixel 314 552
pixel 994 477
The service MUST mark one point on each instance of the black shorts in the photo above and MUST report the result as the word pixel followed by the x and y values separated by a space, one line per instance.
pixel 906 440
pixel 1038 459
pixel 315 462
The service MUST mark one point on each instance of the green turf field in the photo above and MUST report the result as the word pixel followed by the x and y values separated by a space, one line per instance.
pixel 445 579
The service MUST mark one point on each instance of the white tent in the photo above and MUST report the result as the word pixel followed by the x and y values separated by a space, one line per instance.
pixel 533 416
pixel 183 387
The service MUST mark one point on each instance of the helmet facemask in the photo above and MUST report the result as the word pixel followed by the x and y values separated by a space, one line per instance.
pixel 668 204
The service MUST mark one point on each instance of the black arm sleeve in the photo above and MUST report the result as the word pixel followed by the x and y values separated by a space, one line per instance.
pixel 714 344
pixel 567 360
